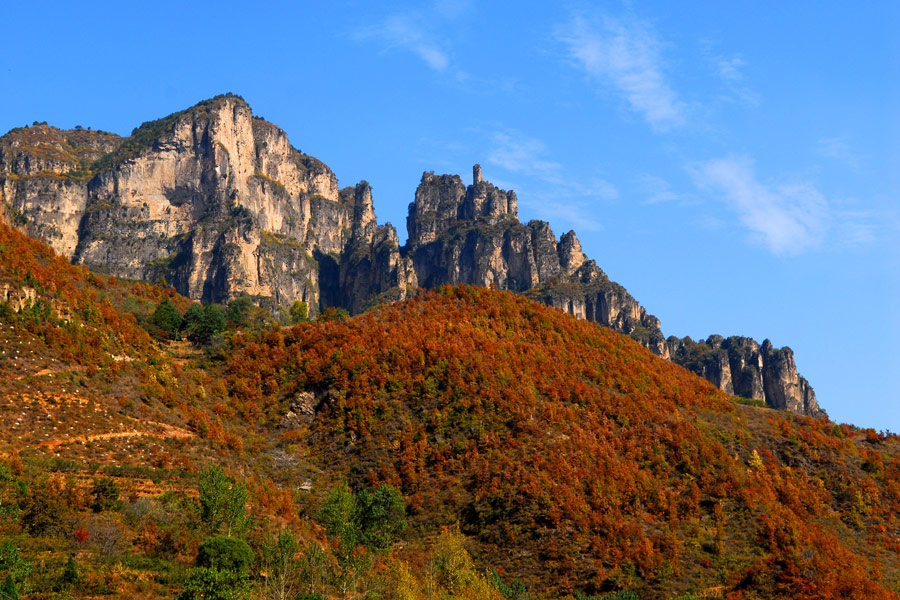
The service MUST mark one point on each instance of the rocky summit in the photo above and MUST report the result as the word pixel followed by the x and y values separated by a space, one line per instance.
pixel 219 204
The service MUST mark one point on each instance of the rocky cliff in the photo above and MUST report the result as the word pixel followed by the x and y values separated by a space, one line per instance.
pixel 740 366
pixel 219 204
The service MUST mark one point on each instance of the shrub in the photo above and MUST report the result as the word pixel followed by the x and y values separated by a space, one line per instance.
pixel 70 574
pixel 11 562
pixel 514 590
pixel 8 589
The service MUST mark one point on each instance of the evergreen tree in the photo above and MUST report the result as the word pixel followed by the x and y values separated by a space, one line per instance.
pixel 239 311
pixel 202 323
pixel 167 317
pixel 8 589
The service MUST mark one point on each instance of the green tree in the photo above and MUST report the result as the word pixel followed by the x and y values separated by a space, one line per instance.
pixel 361 523
pixel 338 515
pixel 204 583
pixel 332 314
pixel 12 564
pixel 222 503
pixel 8 589
pixel 514 590
pixel 202 324
pixel 225 554
pixel 192 317
pixel 106 494
pixel 372 519
pixel 239 311
pixel 315 570
pixel 379 517
pixel 453 570
pixel 167 317
pixel 70 574
pixel 299 312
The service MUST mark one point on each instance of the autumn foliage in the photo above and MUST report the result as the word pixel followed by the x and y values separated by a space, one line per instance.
pixel 85 317
pixel 575 458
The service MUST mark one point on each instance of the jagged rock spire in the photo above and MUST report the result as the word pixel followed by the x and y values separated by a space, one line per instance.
pixel 364 223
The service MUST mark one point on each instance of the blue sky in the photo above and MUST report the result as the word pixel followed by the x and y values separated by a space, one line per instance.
pixel 736 170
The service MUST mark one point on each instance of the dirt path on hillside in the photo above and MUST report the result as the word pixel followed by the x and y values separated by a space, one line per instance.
pixel 162 431
pixel 48 371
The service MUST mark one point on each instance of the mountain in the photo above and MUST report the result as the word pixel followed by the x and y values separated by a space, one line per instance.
pixel 219 204
pixel 561 456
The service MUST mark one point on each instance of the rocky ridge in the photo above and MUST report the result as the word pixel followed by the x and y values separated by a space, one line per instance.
pixel 218 203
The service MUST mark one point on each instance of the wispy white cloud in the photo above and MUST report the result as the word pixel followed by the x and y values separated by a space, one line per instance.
pixel 625 54
pixel 519 153
pixel 730 71
pixel 838 148
pixel 576 213
pixel 730 67
pixel 655 189
pixel 548 189
pixel 410 33
pixel 788 218
pixel 414 31
pixel 452 9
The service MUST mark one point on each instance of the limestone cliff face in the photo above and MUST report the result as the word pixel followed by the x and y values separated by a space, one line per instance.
pixel 371 269
pixel 43 180
pixel 220 204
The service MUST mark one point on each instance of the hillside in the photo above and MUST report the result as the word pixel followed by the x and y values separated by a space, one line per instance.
pixel 220 204
pixel 571 459
pixel 576 459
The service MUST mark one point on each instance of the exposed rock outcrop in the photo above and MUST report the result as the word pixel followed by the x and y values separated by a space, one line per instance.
pixel 17 297
pixel 219 203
